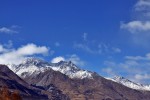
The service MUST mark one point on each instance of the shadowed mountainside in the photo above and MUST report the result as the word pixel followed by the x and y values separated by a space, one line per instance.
pixel 13 82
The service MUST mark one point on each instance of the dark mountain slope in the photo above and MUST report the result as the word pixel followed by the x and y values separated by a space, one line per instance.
pixel 13 82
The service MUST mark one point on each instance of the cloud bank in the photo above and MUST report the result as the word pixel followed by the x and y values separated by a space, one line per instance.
pixel 136 26
pixel 16 56
pixel 7 30
pixel 139 28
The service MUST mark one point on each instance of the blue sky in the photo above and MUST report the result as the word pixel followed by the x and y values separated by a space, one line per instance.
pixel 106 36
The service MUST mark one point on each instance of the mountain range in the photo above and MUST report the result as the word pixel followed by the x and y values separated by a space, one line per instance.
pixel 65 81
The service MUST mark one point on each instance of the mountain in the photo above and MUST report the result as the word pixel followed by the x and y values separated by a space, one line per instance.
pixel 71 70
pixel 74 82
pixel 130 84
pixel 29 66
pixel 35 66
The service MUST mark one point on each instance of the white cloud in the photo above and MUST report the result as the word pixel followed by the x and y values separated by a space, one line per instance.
pixel 142 8
pixel 141 77
pixel 15 56
pixel 57 59
pixel 84 47
pixel 136 26
pixel 101 48
pixel 136 58
pixel 139 28
pixel 142 5
pixel 133 67
pixel 6 47
pixel 31 49
pixel 7 30
pixel 9 44
pixel 57 44
pixel 116 50
pixel 73 58
pixel 76 60
pixel 95 48
pixel 15 27
pixel 2 49
pixel 109 71
pixel 85 36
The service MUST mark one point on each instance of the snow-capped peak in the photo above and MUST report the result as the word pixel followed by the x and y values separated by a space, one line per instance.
pixel 33 61
pixel 130 84
pixel 121 79
pixel 29 66
pixel 34 66
pixel 71 70
pixel 66 65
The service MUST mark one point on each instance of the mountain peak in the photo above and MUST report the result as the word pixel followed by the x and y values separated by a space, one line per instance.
pixel 69 63
pixel 120 78
pixel 70 69
pixel 34 66
pixel 32 60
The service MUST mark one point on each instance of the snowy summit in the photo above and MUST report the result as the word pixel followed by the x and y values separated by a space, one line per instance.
pixel 35 66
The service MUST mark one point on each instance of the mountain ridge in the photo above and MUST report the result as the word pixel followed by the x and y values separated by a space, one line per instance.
pixel 126 82
pixel 78 88
pixel 37 66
